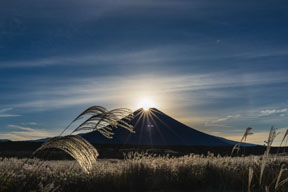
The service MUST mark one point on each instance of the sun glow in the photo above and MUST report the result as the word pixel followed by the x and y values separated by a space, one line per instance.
pixel 146 104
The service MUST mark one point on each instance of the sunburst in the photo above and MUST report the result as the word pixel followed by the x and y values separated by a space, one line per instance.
pixel 146 103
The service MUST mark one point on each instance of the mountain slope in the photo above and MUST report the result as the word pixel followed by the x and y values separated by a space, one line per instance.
pixel 155 128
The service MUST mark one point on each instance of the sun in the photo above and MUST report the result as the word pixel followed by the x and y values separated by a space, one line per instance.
pixel 146 103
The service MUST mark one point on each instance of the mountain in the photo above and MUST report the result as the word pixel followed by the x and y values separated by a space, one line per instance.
pixel 40 140
pixel 5 140
pixel 155 128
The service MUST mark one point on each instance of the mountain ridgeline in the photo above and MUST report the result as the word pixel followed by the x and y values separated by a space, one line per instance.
pixel 154 128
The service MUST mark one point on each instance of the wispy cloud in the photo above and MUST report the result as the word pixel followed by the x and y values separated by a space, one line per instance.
pixel 5 110
pixel 220 122
pixel 30 123
pixel 8 115
pixel 4 114
pixel 269 112
pixel 229 117
pixel 25 133
pixel 93 10
pixel 21 127
pixel 124 90
pixel 156 55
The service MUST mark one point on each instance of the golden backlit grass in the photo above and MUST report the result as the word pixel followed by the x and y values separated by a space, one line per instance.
pixel 143 172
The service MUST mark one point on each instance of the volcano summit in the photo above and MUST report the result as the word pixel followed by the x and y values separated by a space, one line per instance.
pixel 155 128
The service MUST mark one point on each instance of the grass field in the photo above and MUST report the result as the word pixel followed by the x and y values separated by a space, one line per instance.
pixel 136 171
pixel 144 172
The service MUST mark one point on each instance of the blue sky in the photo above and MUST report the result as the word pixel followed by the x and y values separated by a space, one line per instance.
pixel 218 66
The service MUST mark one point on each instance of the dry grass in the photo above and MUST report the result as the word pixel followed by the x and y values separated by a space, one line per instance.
pixel 244 138
pixel 100 119
pixel 272 135
pixel 76 147
pixel 140 172
pixel 143 172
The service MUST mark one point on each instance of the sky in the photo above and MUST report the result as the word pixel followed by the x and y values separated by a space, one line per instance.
pixel 217 66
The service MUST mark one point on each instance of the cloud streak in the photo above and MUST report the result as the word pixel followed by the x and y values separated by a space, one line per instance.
pixel 5 110
pixel 119 89
pixel 269 112
pixel 8 115
pixel 229 117
pixel 220 122
pixel 25 133
pixel 3 113
pixel 149 55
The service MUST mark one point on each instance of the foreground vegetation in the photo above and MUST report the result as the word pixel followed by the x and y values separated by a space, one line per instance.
pixel 138 171
pixel 143 172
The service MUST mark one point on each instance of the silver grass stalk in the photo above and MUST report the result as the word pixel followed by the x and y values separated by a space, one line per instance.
pixel 283 139
pixel 105 121
pixel 244 137
pixel 93 110
pixel 284 181
pixel 271 137
pixel 279 176
pixel 235 147
pixel 101 120
pixel 247 132
pixel 250 176
pixel 285 136
pixel 77 147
